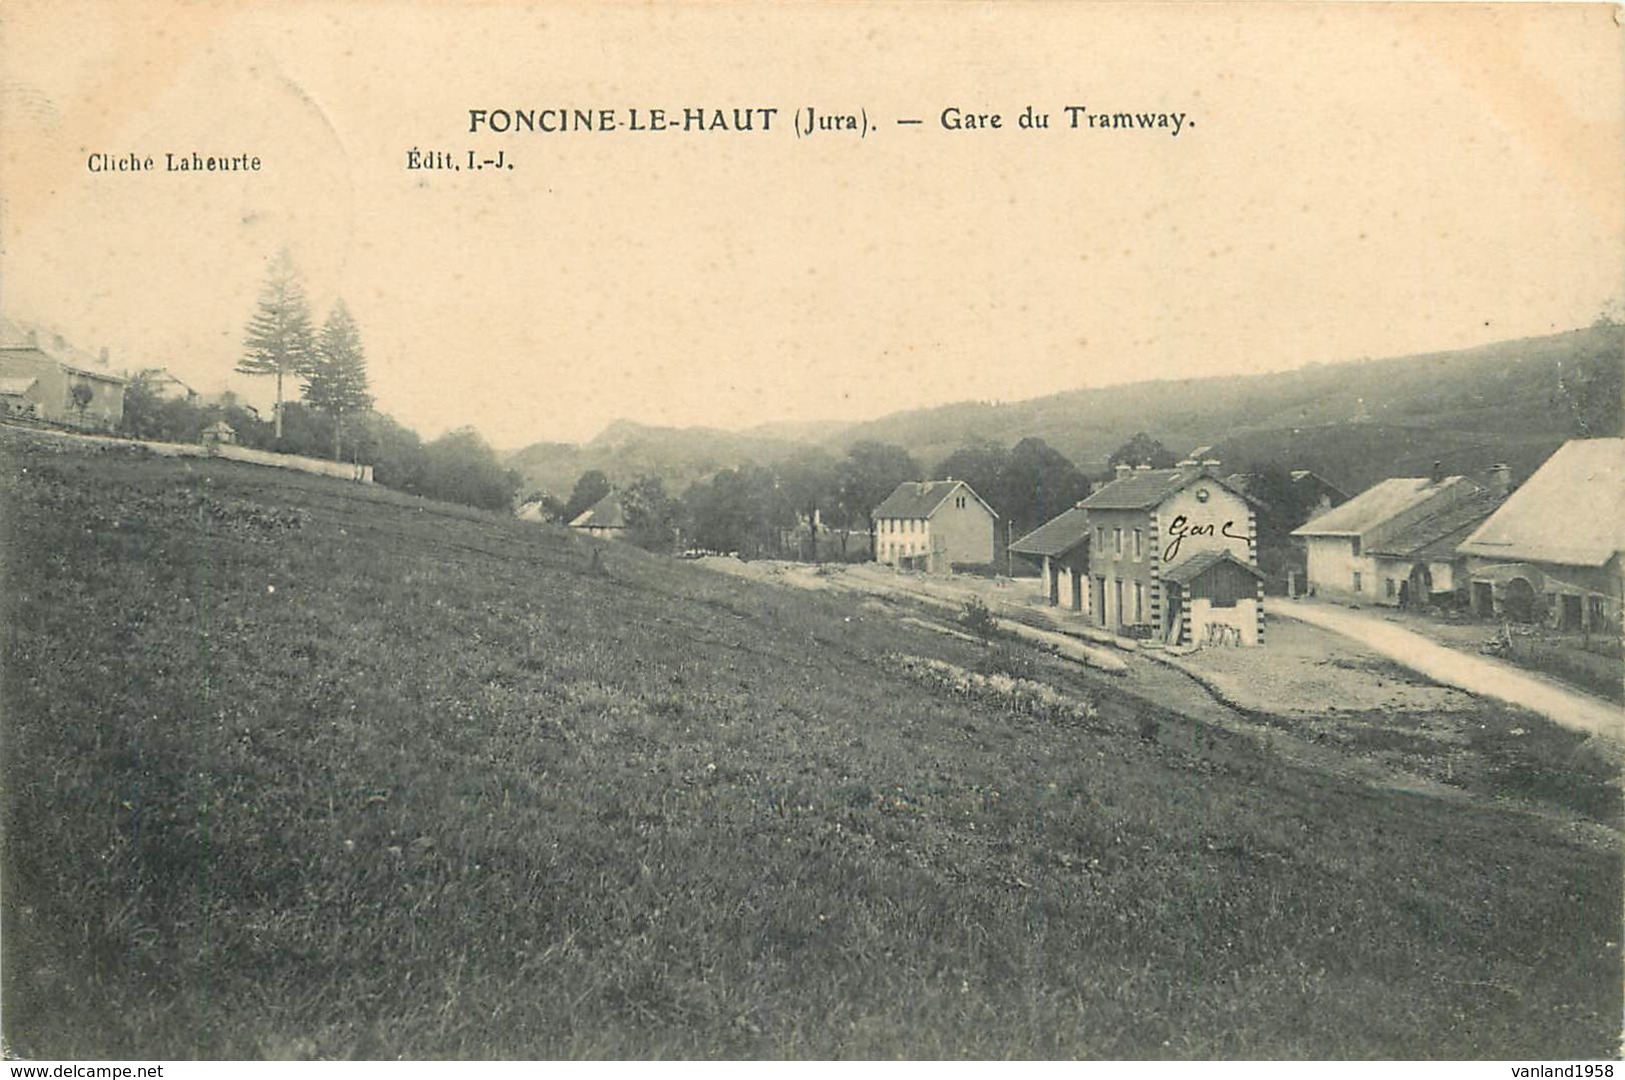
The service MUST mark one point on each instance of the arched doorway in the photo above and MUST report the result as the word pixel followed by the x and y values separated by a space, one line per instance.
pixel 1518 600
pixel 1420 593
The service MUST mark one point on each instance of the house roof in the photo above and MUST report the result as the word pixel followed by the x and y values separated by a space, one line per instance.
pixel 1571 511
pixel 17 385
pixel 35 353
pixel 1302 476
pixel 1057 536
pixel 1436 536
pixel 606 513
pixel 1375 505
pixel 1194 567
pixel 921 498
pixel 221 427
pixel 1145 488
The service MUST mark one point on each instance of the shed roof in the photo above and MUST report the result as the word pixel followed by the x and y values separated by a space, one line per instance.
pixel 606 513
pixel 1145 488
pixel 16 385
pixel 1375 505
pixel 1057 536
pixel 922 498
pixel 1194 567
pixel 1571 511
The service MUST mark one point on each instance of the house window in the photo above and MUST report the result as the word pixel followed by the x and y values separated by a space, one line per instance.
pixel 1388 587
pixel 1139 602
pixel 1139 537
pixel 1357 579
pixel 1100 538
pixel 1117 542
pixel 1356 543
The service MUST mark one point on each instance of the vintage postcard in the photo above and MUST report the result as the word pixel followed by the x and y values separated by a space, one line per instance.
pixel 726 530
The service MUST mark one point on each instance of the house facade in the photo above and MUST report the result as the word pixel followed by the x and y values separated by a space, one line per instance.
pixel 1373 547
pixel 36 386
pixel 1554 552
pixel 1060 549
pixel 935 526
pixel 1173 557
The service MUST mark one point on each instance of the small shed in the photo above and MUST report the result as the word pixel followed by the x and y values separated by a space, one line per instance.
pixel 1215 598
pixel 219 433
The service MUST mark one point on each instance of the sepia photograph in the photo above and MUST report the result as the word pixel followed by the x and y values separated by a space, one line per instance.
pixel 537 530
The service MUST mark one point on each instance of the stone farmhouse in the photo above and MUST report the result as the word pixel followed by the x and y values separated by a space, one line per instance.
pixel 1554 552
pixel 36 385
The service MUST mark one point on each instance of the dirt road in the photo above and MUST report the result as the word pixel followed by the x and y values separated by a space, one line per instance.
pixel 1475 674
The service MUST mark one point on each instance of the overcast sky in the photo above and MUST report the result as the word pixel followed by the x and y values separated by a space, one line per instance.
pixel 1348 182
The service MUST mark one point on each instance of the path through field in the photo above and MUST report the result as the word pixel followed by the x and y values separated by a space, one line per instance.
pixel 1475 674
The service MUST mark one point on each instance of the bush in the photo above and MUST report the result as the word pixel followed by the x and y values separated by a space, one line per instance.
pixel 977 619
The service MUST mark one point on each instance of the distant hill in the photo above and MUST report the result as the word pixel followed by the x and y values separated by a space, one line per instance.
pixel 1354 422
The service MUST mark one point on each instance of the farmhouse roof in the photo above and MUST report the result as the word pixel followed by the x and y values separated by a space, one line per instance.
pixel 922 498
pixel 1376 504
pixel 1145 488
pixel 220 427
pixel 17 385
pixel 1436 536
pixel 1057 536
pixel 1194 567
pixel 606 513
pixel 1571 511
pixel 34 354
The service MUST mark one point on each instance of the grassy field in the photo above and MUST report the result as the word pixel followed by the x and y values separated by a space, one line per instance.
pixel 294 768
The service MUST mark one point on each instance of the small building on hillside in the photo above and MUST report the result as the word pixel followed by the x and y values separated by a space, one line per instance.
pixel 36 386
pixel 164 385
pixel 1314 492
pixel 1155 537
pixel 219 433
pixel 1319 493
pixel 1060 547
pixel 605 519
pixel 1554 552
pixel 1403 520
pixel 935 526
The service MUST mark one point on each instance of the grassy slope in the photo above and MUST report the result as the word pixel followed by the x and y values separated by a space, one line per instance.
pixel 449 790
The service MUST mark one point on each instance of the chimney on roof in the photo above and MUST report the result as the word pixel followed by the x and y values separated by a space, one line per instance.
pixel 1501 478
pixel 1438 472
pixel 102 360
pixel 33 339
pixel 1123 469
pixel 57 340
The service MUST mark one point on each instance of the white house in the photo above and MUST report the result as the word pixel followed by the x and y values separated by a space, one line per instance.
pixel 934 525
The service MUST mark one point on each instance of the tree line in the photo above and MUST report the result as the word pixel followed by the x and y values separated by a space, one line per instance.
pixel 813 504
pixel 334 415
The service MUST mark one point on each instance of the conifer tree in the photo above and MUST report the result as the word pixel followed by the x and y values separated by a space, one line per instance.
pixel 337 382
pixel 279 340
